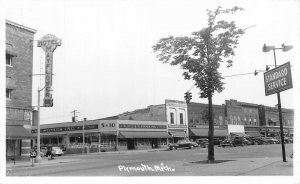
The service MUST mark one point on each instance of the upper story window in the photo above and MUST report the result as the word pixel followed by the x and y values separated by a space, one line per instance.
pixel 221 120
pixel 9 60
pixel 181 118
pixel 172 117
pixel 8 93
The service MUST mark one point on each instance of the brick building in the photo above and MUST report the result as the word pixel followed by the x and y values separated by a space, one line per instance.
pixel 174 112
pixel 198 120
pixel 19 66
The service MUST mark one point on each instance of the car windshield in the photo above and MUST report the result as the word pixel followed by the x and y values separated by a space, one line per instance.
pixel 56 148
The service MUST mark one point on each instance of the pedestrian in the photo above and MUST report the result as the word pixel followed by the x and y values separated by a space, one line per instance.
pixel 49 154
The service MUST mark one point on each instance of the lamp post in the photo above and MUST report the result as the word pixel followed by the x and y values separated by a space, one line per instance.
pixel 38 155
pixel 84 120
pixel 284 48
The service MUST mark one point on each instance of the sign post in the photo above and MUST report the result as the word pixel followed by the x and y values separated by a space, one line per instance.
pixel 48 43
pixel 277 80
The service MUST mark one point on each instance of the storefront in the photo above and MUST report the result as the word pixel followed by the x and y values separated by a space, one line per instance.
pixel 17 141
pixel 104 135
pixel 142 134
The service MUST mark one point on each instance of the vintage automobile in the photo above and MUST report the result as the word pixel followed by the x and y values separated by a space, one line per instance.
pixel 238 141
pixel 55 150
pixel 227 142
pixel 203 143
pixel 183 144
pixel 271 140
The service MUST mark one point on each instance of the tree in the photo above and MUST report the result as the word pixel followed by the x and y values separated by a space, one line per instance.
pixel 200 56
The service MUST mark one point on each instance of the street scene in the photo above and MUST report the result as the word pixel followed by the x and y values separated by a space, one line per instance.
pixel 150 88
pixel 254 160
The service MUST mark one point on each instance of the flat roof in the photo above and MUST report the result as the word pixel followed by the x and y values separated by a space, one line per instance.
pixel 20 26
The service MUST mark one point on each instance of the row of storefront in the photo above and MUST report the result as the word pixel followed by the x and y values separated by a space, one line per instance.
pixel 102 135
pixel 110 135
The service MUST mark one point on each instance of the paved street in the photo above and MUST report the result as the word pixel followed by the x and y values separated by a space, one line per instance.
pixel 247 160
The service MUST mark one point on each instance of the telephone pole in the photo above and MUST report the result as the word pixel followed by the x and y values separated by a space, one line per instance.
pixel 74 117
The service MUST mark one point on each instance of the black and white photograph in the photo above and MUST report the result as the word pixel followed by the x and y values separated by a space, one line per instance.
pixel 150 91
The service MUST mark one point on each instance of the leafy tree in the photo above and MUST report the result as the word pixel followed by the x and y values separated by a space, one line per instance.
pixel 200 56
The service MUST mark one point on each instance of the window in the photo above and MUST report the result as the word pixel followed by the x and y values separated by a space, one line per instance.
pixel 172 117
pixel 8 93
pixel 221 120
pixel 9 60
pixel 181 118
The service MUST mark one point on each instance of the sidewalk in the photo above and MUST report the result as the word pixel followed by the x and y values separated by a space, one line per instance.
pixel 44 161
pixel 237 167
pixel 66 158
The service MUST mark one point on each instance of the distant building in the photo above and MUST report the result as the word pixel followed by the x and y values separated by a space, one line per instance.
pixel 19 66
pixel 198 120
pixel 174 112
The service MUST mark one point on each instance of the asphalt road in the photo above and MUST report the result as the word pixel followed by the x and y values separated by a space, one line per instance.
pixel 162 163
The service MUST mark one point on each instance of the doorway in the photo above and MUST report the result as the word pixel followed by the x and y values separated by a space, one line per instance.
pixel 130 144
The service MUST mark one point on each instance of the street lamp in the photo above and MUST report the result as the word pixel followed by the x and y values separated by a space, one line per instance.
pixel 38 155
pixel 284 48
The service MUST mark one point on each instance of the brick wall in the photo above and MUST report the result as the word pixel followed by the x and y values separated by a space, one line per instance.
pixel 19 42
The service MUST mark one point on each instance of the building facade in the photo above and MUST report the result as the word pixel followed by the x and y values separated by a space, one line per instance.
pixel 104 135
pixel 19 66
pixel 173 112
pixel 198 120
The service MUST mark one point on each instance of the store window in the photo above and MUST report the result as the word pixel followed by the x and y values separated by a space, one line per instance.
pixel 181 118
pixel 221 120
pixel 8 93
pixel 9 59
pixel 172 117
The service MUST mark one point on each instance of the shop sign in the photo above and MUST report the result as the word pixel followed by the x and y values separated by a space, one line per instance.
pixel 278 79
pixel 66 129
pixel 48 43
pixel 206 126
pixel 108 126
pixel 139 126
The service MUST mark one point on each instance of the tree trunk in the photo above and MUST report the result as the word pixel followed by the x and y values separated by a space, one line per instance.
pixel 211 154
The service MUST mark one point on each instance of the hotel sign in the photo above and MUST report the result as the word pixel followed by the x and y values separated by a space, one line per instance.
pixel 48 43
pixel 278 79
pixel 66 129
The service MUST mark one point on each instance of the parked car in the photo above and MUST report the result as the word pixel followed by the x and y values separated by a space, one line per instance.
pixel 248 141
pixel 271 140
pixel 183 144
pixel 203 143
pixel 55 150
pixel 238 141
pixel 227 142
pixel 259 140
pixel 217 141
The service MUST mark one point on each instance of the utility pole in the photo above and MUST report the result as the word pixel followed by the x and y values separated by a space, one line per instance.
pixel 74 112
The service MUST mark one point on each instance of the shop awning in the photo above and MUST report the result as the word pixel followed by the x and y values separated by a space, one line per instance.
pixel 253 134
pixel 238 134
pixel 178 134
pixel 125 134
pixel 18 132
pixel 204 132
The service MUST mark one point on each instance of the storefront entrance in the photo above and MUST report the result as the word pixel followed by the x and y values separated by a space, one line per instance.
pixel 154 143
pixel 130 144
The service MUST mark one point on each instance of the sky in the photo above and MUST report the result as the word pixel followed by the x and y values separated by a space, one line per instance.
pixel 106 66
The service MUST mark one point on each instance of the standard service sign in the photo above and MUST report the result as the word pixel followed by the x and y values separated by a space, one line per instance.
pixel 278 79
